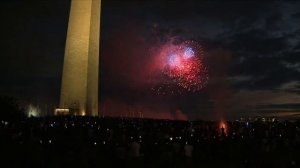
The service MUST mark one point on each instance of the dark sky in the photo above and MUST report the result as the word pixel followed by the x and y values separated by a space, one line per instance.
pixel 251 48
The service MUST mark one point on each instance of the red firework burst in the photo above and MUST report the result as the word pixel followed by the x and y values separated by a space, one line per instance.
pixel 184 66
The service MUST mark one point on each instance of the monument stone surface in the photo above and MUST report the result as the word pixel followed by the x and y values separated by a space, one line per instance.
pixel 79 89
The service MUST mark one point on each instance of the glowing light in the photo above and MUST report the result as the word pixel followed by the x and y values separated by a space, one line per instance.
pixel 188 53
pixel 223 128
pixel 33 111
pixel 61 111
pixel 182 65
pixel 174 60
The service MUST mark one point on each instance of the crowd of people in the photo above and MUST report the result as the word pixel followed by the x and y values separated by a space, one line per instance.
pixel 72 141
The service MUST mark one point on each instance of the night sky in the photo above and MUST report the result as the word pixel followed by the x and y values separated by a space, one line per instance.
pixel 251 49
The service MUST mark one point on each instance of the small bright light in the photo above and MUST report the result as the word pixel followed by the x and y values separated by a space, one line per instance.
pixel 50 141
pixel 41 141
pixel 223 127
pixel 104 142
pixel 188 53
pixel 60 111
pixel 33 111
pixel 95 143
pixel 171 139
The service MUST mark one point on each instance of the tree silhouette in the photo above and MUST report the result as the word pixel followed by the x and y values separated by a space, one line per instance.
pixel 10 109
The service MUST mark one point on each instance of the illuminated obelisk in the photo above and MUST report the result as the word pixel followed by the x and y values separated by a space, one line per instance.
pixel 79 89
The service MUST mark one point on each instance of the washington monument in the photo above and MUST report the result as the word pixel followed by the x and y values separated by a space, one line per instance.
pixel 79 88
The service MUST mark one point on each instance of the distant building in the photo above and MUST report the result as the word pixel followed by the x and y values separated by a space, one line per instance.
pixel 60 111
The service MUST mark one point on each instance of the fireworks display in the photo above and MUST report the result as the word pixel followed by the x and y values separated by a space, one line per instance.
pixel 182 66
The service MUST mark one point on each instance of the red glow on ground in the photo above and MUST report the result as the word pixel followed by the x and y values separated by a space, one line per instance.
pixel 223 127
